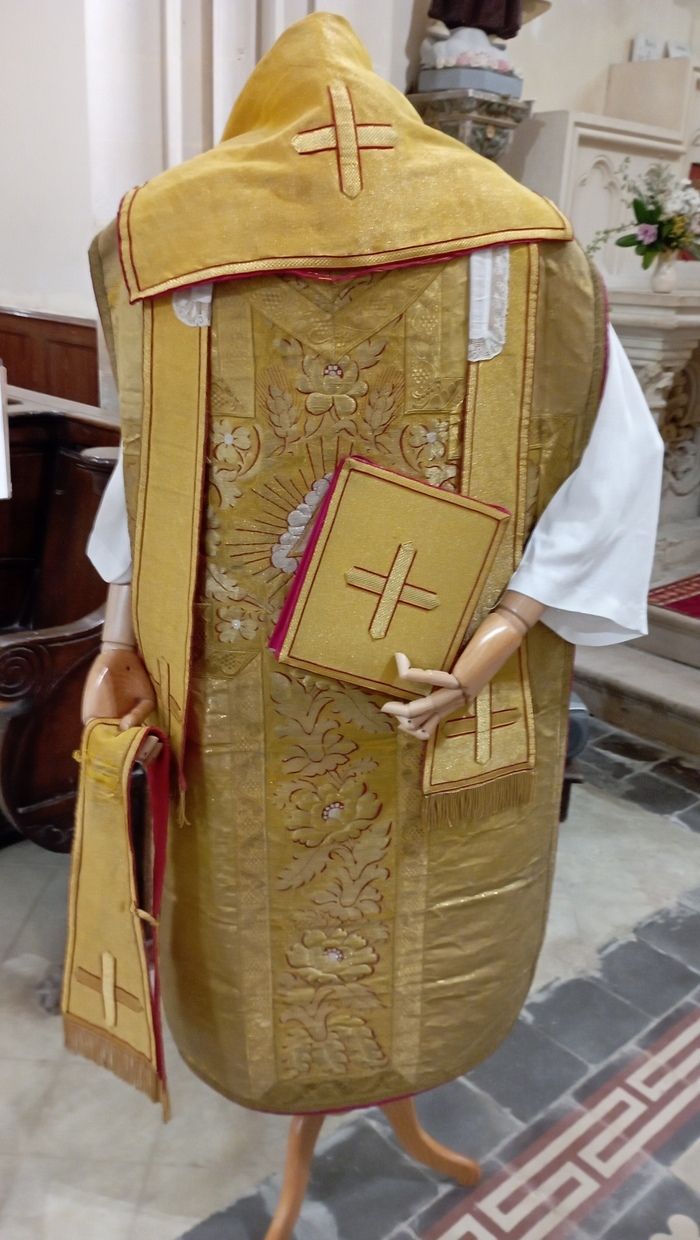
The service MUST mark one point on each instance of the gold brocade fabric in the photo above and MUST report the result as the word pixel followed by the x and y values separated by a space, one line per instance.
pixel 322 164
pixel 323 946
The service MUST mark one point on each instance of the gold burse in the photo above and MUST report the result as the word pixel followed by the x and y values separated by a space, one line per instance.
pixel 395 565
pixel 110 999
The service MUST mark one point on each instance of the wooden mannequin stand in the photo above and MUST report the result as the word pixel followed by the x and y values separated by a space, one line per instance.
pixel 303 1135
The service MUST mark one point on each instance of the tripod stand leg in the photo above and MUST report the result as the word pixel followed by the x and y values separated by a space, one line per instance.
pixel 422 1147
pixel 303 1135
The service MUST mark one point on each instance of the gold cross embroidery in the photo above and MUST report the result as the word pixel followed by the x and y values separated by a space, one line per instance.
pixel 393 589
pixel 346 138
pixel 481 724
pixel 106 984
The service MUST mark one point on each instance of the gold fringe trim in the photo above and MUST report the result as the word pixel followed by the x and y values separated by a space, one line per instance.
pixel 472 804
pixel 107 1051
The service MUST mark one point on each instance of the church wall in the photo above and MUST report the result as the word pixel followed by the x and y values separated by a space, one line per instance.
pixel 45 214
pixel 565 55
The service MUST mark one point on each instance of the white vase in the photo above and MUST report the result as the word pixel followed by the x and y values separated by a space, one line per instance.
pixel 663 273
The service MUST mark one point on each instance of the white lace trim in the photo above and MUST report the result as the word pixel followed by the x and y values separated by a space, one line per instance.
pixel 193 305
pixel 489 277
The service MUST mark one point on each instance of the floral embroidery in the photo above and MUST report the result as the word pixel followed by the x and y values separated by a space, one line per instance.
pixel 330 814
pixel 230 442
pixel 235 451
pixel 233 623
pixel 340 956
pixel 212 538
pixel 220 585
pixel 426 448
pixel 331 385
pixel 324 993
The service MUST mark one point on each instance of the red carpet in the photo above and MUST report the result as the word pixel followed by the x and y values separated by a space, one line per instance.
pixel 683 596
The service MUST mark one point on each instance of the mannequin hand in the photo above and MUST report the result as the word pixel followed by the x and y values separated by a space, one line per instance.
pixel 421 717
pixel 118 687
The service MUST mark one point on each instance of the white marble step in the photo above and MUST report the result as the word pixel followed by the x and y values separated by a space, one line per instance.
pixel 641 692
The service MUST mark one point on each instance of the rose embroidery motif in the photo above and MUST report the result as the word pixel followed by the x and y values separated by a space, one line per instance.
pixel 233 623
pixel 330 814
pixel 322 752
pixel 339 956
pixel 229 441
pixel 429 442
pixel 331 385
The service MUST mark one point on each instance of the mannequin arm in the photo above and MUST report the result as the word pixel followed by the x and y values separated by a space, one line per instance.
pixel 118 685
pixel 493 643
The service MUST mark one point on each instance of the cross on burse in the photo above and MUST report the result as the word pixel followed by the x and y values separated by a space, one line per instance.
pixel 393 589
pixel 346 138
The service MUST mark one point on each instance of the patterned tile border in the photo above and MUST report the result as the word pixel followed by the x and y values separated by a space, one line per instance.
pixel 583 1158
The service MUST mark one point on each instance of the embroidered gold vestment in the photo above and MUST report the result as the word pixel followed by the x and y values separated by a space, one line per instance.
pixel 345 918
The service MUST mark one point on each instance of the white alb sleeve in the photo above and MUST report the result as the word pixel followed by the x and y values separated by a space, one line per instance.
pixel 108 546
pixel 590 556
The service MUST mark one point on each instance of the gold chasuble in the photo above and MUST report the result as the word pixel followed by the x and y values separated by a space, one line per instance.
pixel 348 916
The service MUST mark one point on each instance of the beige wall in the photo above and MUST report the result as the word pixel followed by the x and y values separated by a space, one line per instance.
pixel 45 216
pixel 565 54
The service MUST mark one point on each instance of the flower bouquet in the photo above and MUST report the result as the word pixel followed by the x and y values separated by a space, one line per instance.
pixel 666 221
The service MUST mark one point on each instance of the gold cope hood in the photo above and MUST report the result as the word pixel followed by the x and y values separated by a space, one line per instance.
pixel 322 165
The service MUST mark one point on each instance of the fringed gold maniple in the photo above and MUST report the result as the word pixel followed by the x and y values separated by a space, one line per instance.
pixel 478 803
pixel 110 1052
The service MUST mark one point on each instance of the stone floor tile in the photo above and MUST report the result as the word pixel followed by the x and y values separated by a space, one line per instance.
pixel 360 1174
pixel 692 897
pixel 605 1213
pixel 463 1118
pixel 680 1141
pixel 528 1072
pixel 651 980
pixel 656 794
pixel 686 1007
pixel 603 772
pixel 65 1198
pixel 675 932
pixel 539 1127
pixel 25 1086
pixel 587 1019
pixel 650 1213
pixel 626 1060
pixel 690 817
pixel 632 748
pixel 21 888
pixel 247 1217
pixel 26 1030
pixel 687 1166
pixel 681 770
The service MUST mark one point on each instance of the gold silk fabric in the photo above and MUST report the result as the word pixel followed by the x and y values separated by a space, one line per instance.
pixel 322 165
pixel 325 942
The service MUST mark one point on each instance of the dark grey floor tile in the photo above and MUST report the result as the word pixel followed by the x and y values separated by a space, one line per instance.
pixel 247 1217
pixel 625 1061
pixel 676 932
pixel 657 794
pixel 599 727
pixel 587 1019
pixel 650 1214
pixel 663 1026
pixel 692 897
pixel 404 1234
pixel 679 1141
pixel 651 980
pixel 363 1176
pixel 605 772
pixel 528 1072
pixel 624 745
pixel 463 1118
pixel 680 770
pixel 522 1142
pixel 598 1220
pixel 690 817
